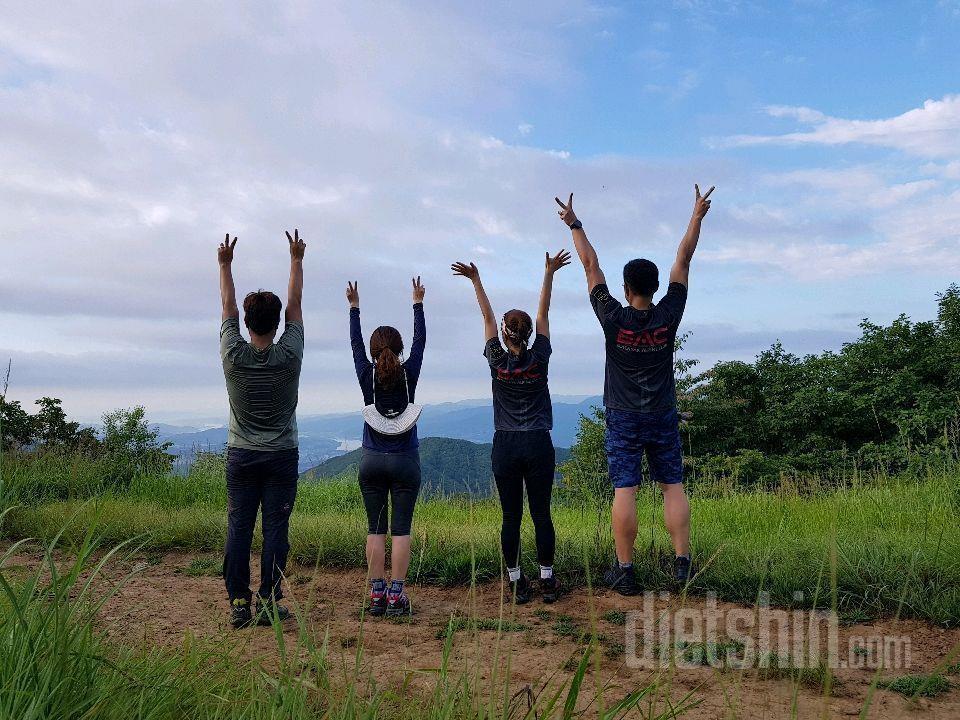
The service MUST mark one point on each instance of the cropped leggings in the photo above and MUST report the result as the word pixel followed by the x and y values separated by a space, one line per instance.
pixel 525 458
pixel 389 475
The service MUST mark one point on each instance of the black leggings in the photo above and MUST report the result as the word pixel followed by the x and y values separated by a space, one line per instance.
pixel 525 457
pixel 396 475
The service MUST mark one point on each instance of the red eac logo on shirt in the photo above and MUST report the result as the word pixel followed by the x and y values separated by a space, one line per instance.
pixel 632 338
pixel 531 373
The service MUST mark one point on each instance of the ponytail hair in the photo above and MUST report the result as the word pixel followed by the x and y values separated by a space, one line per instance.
pixel 386 346
pixel 517 327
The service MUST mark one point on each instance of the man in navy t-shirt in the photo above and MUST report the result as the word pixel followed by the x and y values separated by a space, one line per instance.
pixel 639 391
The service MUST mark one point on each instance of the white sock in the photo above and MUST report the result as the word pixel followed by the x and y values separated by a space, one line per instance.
pixel 546 572
pixel 514 574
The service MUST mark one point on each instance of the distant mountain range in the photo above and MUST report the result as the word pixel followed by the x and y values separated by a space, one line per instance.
pixel 449 467
pixel 326 436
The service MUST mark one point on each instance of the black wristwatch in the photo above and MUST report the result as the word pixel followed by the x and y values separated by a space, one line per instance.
pixel 577 225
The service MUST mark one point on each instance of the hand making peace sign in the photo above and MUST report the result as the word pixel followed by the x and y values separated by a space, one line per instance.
pixel 418 290
pixel 701 205
pixel 225 251
pixel 566 212
pixel 297 245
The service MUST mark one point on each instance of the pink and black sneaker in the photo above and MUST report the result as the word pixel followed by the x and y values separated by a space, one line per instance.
pixel 378 597
pixel 398 604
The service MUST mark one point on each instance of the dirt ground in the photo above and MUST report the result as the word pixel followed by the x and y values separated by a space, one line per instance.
pixel 164 601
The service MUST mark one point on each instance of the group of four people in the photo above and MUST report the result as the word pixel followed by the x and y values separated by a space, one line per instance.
pixel 639 397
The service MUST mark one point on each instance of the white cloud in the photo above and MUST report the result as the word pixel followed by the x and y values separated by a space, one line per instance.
pixel 932 130
pixel 525 129
pixel 138 135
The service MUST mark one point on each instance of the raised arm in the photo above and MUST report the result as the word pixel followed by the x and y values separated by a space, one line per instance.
pixel 680 272
pixel 552 264
pixel 228 293
pixel 489 320
pixel 588 256
pixel 360 361
pixel 415 358
pixel 419 326
pixel 295 287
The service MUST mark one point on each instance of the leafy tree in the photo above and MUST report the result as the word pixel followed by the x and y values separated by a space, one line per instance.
pixel 888 401
pixel 15 425
pixel 132 446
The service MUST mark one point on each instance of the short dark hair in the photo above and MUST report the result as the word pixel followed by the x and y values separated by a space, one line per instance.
pixel 642 277
pixel 261 312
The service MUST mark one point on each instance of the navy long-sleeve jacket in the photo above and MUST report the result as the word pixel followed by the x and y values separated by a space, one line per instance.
pixel 372 440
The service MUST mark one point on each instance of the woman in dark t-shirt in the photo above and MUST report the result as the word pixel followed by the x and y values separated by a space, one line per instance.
pixel 390 462
pixel 523 453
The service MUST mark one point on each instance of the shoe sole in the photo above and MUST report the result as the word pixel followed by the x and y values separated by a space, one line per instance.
pixel 398 613
pixel 626 591
pixel 376 612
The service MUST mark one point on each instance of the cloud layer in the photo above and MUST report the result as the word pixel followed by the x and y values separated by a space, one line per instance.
pixel 135 136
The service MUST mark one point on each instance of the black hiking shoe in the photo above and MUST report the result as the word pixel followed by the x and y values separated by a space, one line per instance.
pixel 268 610
pixel 550 589
pixel 240 615
pixel 519 591
pixel 398 605
pixel 621 579
pixel 681 569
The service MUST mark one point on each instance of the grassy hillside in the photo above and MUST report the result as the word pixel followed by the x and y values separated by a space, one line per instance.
pixel 892 543
pixel 450 467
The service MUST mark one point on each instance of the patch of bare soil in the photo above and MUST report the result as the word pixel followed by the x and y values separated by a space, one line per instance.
pixel 162 602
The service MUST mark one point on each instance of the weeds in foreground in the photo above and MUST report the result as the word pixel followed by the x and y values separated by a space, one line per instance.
pixel 56 664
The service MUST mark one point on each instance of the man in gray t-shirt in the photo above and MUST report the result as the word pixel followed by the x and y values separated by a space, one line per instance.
pixel 262 379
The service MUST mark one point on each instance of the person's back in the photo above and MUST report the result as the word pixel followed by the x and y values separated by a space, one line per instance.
pixel 639 373
pixel 639 393
pixel 389 473
pixel 262 386
pixel 262 378
pixel 522 458
pixel 521 396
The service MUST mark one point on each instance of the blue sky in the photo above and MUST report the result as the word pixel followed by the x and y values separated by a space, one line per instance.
pixel 399 137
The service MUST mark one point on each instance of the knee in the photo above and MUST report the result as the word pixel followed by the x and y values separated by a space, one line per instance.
pixel 673 493
pixel 540 514
pixel 511 520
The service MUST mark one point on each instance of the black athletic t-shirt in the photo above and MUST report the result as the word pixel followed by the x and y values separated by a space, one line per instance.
pixel 639 374
pixel 521 399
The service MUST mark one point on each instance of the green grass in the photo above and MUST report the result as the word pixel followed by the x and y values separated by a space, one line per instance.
pixel 204 567
pixel 872 545
pixel 565 626
pixel 917 685
pixel 818 678
pixel 615 617
pixel 54 663
pixel 894 538
pixel 459 623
